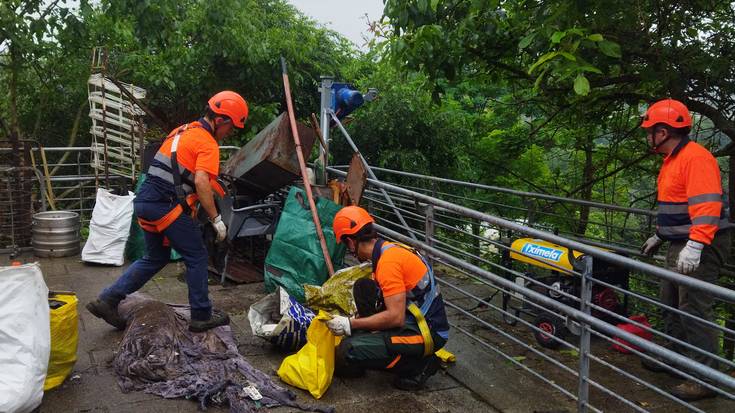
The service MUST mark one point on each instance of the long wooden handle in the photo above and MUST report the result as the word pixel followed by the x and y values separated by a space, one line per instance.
pixel 302 164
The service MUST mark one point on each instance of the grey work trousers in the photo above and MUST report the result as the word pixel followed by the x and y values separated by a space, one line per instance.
pixel 694 302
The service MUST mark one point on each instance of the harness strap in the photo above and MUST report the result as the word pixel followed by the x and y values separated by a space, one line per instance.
pixel 178 187
pixel 159 225
pixel 424 328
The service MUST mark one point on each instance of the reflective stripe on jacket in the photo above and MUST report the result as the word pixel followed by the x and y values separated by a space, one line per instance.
pixel 425 294
pixel 690 197
pixel 161 166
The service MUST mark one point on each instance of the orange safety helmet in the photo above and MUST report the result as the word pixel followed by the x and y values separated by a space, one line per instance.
pixel 230 104
pixel 349 221
pixel 668 111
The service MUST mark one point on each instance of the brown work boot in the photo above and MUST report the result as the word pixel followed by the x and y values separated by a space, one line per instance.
pixel 218 318
pixel 106 311
pixel 691 391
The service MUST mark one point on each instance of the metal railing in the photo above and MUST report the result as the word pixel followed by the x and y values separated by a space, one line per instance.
pixel 501 280
pixel 471 249
pixel 73 179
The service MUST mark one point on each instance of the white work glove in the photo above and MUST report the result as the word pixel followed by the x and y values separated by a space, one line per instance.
pixel 689 256
pixel 339 326
pixel 219 227
pixel 651 245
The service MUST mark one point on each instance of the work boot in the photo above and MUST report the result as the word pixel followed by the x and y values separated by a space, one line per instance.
pixel 417 382
pixel 106 311
pixel 218 318
pixel 691 391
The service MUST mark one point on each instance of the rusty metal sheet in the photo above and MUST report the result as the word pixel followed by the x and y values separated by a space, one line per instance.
pixel 356 179
pixel 269 162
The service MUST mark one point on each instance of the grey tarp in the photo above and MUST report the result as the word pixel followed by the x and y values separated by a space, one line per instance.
pixel 159 355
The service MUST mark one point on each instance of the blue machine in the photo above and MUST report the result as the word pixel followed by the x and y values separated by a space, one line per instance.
pixel 346 98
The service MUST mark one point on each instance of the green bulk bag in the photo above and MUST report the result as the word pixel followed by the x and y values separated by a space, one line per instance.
pixel 295 256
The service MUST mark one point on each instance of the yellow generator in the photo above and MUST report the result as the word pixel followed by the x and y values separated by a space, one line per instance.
pixel 549 269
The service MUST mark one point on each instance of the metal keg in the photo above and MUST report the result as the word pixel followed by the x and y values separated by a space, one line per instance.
pixel 56 234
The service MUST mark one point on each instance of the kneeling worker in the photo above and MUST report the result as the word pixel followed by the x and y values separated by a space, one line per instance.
pixel 183 172
pixel 401 320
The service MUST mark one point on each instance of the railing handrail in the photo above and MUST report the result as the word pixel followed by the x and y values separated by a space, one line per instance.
pixel 669 355
pixel 625 262
pixel 524 194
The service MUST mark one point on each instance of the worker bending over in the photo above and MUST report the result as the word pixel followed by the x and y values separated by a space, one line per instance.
pixel 183 172
pixel 693 217
pixel 401 320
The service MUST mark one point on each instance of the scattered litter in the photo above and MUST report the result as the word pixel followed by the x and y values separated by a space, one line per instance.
pixel 251 392
pixel 76 377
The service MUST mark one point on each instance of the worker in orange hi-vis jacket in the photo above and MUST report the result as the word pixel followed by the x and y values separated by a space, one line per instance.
pixel 693 218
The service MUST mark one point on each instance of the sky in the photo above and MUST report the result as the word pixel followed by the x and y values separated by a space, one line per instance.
pixel 346 17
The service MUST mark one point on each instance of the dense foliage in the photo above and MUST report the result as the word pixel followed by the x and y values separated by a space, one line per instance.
pixel 539 96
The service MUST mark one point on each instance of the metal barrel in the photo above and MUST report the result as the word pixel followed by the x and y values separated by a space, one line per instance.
pixel 56 234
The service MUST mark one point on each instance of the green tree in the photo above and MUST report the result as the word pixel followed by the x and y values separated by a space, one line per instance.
pixel 182 52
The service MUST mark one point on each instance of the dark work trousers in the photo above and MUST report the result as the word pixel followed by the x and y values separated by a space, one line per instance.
pixel 185 237
pixel 695 302
pixel 398 350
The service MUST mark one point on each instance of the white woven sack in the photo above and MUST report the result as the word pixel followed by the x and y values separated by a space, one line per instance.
pixel 25 338
pixel 109 228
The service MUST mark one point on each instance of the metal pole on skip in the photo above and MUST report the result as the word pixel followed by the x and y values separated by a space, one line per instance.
pixel 302 164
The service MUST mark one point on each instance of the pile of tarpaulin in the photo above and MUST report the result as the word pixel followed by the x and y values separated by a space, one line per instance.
pixel 158 355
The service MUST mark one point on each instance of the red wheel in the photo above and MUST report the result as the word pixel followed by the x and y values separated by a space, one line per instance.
pixel 551 328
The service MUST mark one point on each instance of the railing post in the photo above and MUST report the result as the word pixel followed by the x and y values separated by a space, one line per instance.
pixel 429 228
pixel 81 187
pixel 584 337
pixel 325 91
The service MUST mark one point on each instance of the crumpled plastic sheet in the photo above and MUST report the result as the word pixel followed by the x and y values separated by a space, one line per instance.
pixel 335 295
pixel 158 355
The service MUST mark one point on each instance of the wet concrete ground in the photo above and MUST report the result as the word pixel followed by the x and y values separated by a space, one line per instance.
pixel 480 380
pixel 92 386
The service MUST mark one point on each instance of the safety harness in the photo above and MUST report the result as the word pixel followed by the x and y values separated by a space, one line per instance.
pixel 185 202
pixel 430 292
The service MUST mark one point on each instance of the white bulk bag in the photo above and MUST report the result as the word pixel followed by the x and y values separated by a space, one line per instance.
pixel 25 338
pixel 109 228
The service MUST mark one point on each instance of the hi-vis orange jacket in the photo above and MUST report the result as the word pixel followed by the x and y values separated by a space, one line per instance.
pixel 690 197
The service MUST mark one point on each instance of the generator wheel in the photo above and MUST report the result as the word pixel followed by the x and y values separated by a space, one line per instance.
pixel 552 327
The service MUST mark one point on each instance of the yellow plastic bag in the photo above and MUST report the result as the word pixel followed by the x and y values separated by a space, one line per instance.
pixel 64 335
pixel 312 367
